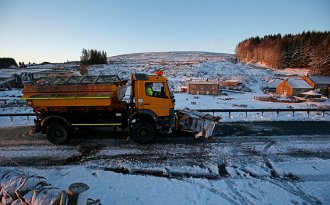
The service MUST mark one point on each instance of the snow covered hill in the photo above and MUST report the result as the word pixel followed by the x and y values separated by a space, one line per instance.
pixel 179 56
pixel 180 67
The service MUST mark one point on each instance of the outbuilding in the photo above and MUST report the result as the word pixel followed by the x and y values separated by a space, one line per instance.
pixel 320 83
pixel 230 83
pixel 293 87
pixel 312 94
pixel 204 87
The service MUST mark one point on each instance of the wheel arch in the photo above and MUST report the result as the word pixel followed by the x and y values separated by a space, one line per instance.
pixel 144 115
pixel 53 118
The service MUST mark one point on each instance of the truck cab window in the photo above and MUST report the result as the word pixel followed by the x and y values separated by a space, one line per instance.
pixel 155 90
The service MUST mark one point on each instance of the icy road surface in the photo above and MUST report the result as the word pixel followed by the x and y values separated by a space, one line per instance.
pixel 244 163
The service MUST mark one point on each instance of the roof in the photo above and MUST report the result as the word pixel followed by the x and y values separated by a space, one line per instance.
pixel 298 83
pixel 232 81
pixel 320 79
pixel 311 93
pixel 274 83
pixel 204 82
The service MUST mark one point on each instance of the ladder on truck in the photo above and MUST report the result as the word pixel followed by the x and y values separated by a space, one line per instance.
pixel 82 80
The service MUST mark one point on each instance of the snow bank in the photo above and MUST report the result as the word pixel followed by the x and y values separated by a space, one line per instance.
pixel 133 189
pixel 18 187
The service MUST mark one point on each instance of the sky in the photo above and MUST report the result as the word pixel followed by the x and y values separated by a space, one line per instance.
pixel 56 31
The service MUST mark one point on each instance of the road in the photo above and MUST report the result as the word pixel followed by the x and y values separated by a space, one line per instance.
pixel 19 145
pixel 286 155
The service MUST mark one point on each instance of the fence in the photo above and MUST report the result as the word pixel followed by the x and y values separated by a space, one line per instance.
pixel 213 111
pixel 262 111
pixel 12 115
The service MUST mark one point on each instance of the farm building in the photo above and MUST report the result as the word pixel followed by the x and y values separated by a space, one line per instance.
pixel 319 83
pixel 293 87
pixel 183 89
pixel 204 87
pixel 230 83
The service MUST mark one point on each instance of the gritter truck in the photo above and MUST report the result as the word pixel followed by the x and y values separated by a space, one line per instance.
pixel 64 104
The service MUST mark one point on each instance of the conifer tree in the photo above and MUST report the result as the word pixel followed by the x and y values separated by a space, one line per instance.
pixel 93 56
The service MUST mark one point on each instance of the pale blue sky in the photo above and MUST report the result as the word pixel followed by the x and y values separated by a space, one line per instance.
pixel 56 31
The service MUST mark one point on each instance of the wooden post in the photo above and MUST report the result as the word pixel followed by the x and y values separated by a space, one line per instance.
pixel 74 190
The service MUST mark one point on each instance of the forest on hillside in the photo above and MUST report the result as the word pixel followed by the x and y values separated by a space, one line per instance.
pixel 305 50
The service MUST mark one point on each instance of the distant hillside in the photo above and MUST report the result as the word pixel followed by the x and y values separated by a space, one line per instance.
pixel 174 56
pixel 305 50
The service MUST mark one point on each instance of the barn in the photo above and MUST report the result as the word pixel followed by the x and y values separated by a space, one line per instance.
pixel 293 87
pixel 204 87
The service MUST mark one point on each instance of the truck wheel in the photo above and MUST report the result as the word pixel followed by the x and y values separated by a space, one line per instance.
pixel 57 133
pixel 143 132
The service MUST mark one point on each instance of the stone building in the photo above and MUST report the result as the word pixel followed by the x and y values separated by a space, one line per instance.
pixel 204 87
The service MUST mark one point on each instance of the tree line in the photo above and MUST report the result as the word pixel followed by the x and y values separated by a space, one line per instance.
pixel 7 62
pixel 93 56
pixel 305 50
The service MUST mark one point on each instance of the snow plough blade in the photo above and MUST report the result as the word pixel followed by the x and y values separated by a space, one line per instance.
pixel 198 123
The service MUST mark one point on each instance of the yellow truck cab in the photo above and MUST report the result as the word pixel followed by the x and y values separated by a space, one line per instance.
pixel 151 109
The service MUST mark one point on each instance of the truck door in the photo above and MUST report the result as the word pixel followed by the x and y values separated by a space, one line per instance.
pixel 155 98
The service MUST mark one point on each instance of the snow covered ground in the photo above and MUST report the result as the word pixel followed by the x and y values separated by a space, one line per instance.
pixel 247 170
pixel 232 170
pixel 180 67
pixel 114 188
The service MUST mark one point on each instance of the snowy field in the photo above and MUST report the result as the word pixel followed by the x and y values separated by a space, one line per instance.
pixel 229 170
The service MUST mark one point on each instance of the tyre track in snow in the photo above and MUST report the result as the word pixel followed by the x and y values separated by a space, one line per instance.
pixel 216 192
pixel 285 182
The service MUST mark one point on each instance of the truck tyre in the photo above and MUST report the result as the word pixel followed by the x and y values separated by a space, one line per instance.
pixel 57 133
pixel 143 132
